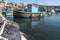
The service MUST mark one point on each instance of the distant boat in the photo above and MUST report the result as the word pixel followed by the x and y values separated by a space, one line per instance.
pixel 57 9
pixel 53 11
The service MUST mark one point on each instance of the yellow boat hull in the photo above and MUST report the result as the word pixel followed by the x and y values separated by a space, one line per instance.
pixel 27 14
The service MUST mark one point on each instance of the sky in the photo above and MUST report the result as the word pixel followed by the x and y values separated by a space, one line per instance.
pixel 41 2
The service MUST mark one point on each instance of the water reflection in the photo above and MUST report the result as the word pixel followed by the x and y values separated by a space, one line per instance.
pixel 27 25
pixel 43 28
pixel 26 20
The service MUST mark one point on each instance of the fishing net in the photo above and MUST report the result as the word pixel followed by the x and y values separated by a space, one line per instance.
pixel 9 30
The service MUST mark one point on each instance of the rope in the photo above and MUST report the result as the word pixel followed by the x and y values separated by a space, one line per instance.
pixel 3 26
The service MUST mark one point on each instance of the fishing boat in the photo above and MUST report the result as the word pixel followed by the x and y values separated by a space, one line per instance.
pixel 57 9
pixel 10 30
pixel 28 14
pixel 53 11
pixel 29 11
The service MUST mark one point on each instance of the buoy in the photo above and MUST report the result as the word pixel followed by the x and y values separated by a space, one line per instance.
pixel 41 15
pixel 32 15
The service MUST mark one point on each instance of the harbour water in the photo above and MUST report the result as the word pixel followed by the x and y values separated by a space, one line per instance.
pixel 43 28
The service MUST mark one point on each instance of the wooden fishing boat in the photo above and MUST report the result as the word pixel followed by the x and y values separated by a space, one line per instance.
pixel 28 14
pixel 15 11
pixel 31 10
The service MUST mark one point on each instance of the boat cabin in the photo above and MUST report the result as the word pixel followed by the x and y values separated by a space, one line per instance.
pixel 32 8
